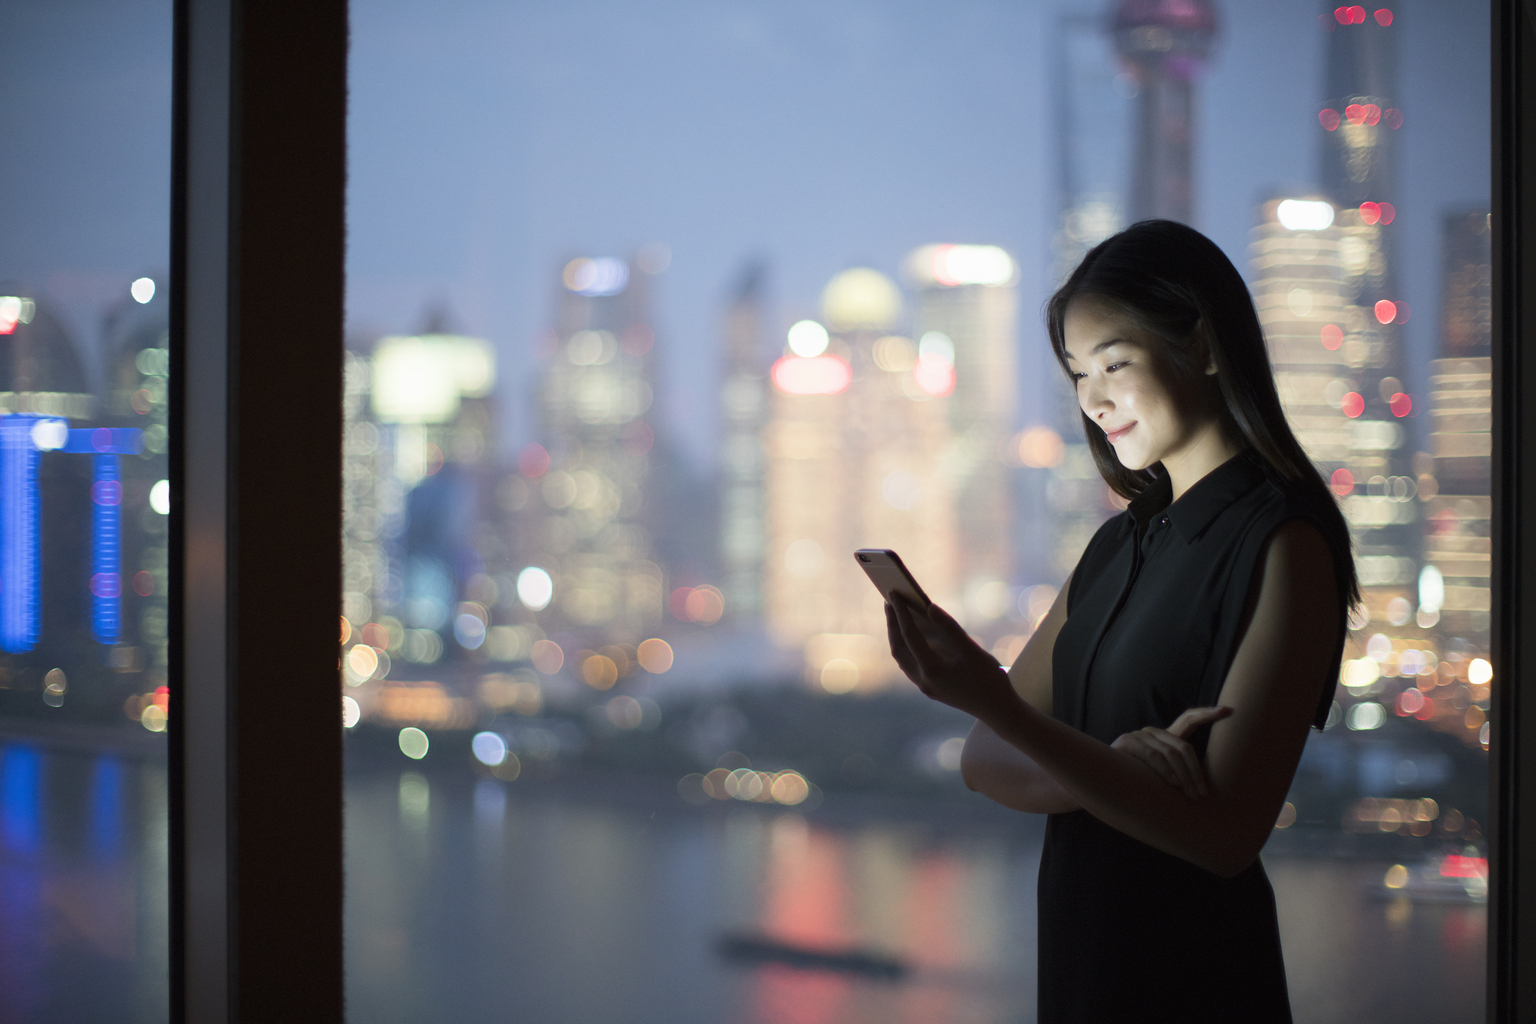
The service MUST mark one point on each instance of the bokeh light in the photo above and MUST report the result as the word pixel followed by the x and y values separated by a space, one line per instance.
pixel 1041 448
pixel 489 748
pixel 808 339
pixel 535 588
pixel 413 743
pixel 142 290
pixel 654 655
pixel 351 712
pixel 547 656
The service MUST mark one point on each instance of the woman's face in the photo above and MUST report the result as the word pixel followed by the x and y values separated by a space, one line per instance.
pixel 1124 386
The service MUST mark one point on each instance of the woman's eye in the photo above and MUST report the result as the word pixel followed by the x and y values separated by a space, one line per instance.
pixel 1112 367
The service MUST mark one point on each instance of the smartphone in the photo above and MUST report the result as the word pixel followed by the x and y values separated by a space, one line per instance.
pixel 889 575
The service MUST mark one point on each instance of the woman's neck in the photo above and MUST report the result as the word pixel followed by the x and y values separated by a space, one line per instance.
pixel 1208 447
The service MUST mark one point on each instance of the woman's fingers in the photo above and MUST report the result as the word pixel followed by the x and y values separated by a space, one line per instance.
pixel 1135 744
pixel 1194 718
pixel 927 662
pixel 899 649
pixel 1182 754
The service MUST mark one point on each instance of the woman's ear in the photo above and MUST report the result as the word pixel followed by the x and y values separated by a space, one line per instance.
pixel 1205 344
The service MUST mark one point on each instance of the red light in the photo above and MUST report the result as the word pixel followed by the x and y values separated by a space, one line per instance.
pixel 1357 15
pixel 1341 15
pixel 1410 702
pixel 1383 17
pixel 1355 113
pixel 1342 481
pixel 1388 213
pixel 1353 405
pixel 1372 114
pixel 1370 213
pixel 819 375
pixel 1329 119
pixel 677 604
pixel 1401 405
pixel 1393 117
pixel 1385 311
pixel 1333 337
pixel 143 583
pixel 533 460
pixel 1458 866
pixel 1426 711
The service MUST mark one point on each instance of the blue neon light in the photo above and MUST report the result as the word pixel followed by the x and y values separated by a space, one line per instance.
pixel 106 550
pixel 105 440
pixel 20 581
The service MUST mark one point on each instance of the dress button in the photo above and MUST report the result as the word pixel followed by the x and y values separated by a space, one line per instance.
pixel 1164 520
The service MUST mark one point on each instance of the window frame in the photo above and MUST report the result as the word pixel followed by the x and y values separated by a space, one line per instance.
pixel 259 168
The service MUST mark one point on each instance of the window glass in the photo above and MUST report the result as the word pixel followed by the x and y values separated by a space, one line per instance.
pixel 85 90
pixel 656 315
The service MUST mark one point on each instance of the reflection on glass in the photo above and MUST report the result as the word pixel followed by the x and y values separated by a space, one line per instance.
pixel 621 718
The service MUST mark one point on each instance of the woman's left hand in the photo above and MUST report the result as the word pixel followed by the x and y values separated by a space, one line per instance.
pixel 938 655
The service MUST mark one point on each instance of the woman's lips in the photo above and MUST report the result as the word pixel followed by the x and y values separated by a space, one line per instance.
pixel 1115 435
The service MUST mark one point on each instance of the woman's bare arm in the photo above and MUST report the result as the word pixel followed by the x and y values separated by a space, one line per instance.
pixel 1000 770
pixel 1252 754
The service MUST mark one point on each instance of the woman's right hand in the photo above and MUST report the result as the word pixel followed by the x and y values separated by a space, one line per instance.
pixel 1168 750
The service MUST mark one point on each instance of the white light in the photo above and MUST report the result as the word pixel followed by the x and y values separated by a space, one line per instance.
pixel 160 497
pixel 535 588
pixel 1304 214
pixel 413 743
pixel 351 712
pixel 1431 589
pixel 490 749
pixel 936 345
pixel 420 380
pixel 606 276
pixel 1365 717
pixel 808 339
pixel 142 290
pixel 50 435
pixel 954 265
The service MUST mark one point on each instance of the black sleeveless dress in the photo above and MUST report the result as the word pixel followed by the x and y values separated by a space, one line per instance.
pixel 1128 932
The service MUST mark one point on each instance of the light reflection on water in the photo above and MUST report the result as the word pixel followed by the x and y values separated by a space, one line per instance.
pixel 480 900
pixel 530 903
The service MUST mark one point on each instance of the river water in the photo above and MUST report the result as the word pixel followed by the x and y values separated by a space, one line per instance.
pixel 604 900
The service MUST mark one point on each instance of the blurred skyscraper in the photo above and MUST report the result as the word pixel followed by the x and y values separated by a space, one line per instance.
pixel 1163 43
pixel 416 439
pixel 743 411
pixel 1093 142
pixel 1360 120
pixel 1458 552
pixel 857 442
pixel 967 307
pixel 591 501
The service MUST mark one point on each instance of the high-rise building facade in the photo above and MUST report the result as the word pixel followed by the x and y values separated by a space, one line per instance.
pixel 589 531
pixel 966 305
pixel 1164 43
pixel 1359 120
pixel 743 412
pixel 857 439
pixel 1457 538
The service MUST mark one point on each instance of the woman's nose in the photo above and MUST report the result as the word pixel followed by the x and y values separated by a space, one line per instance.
pixel 1093 398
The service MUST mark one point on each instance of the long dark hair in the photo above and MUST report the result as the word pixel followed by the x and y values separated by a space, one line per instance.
pixel 1174 283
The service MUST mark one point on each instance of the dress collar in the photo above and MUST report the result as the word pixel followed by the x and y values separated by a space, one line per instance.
pixel 1208 497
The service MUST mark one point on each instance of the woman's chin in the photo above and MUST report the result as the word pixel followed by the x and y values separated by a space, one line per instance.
pixel 1133 460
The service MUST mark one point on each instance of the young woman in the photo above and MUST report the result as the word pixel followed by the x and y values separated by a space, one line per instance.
pixel 1159 710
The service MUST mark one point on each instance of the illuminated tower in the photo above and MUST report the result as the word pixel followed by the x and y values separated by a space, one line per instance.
pixel 1456 483
pixel 1163 44
pixel 857 437
pixel 743 408
pixel 967 308
pixel 1359 121
pixel 591 501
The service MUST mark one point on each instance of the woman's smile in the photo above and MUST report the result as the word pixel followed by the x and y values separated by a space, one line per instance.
pixel 1119 432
